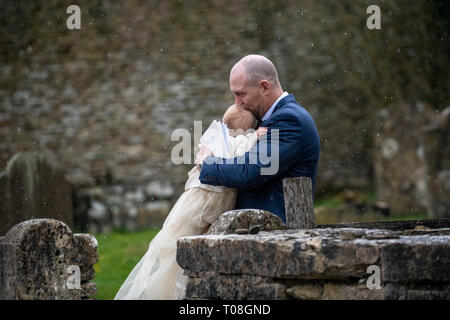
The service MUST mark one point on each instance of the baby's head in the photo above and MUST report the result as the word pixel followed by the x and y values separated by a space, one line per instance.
pixel 239 119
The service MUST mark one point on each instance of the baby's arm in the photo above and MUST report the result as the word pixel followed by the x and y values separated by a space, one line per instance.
pixel 261 131
pixel 240 144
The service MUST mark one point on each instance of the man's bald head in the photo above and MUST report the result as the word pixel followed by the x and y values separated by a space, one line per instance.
pixel 258 68
pixel 254 84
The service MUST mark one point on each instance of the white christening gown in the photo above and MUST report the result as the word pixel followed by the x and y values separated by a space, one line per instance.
pixel 158 275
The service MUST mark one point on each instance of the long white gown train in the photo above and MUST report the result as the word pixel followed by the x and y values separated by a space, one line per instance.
pixel 158 275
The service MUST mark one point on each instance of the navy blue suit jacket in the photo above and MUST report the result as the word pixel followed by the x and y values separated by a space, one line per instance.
pixel 292 128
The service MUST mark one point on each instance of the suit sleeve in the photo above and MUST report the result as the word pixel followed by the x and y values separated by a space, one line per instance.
pixel 273 154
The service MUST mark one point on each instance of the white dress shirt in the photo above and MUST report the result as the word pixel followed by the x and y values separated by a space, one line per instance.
pixel 269 112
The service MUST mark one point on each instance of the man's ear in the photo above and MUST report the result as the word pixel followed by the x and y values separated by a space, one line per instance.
pixel 265 85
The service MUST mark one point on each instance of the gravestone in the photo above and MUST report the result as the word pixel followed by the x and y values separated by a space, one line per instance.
pixel 399 162
pixel 33 187
pixel 437 165
pixel 41 259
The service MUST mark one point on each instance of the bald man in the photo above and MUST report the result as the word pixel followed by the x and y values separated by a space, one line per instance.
pixel 292 143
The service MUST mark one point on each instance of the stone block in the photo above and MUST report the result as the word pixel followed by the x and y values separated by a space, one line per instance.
pixel 323 263
pixel 233 220
pixel 211 285
pixel 320 254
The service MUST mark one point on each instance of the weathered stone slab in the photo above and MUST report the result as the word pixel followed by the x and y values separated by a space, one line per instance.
pixel 425 258
pixel 231 221
pixel 40 257
pixel 393 225
pixel 321 254
pixel 32 187
pixel 359 291
pixel 211 285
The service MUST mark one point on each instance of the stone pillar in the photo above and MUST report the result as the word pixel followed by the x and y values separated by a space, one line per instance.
pixel 298 200
pixel 41 259
pixel 31 187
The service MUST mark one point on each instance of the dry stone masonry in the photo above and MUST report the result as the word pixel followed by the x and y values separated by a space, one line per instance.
pixel 385 261
pixel 41 259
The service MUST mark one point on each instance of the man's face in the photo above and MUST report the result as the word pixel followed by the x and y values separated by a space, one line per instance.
pixel 246 94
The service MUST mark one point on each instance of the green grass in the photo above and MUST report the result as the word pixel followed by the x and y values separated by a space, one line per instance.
pixel 332 208
pixel 328 202
pixel 408 216
pixel 118 253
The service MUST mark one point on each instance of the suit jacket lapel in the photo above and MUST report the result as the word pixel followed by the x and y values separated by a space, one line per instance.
pixel 282 102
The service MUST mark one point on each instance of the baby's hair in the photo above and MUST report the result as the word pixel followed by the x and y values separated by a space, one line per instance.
pixel 237 118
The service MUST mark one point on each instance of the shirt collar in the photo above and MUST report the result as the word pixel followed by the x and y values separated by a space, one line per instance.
pixel 269 112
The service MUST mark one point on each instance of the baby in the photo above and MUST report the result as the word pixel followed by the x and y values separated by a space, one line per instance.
pixel 157 275
pixel 240 123
pixel 238 119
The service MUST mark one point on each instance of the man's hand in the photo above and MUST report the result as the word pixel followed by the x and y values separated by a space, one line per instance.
pixel 202 154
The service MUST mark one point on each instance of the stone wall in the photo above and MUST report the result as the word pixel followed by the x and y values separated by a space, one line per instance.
pixel 101 208
pixel 321 263
pixel 105 99
pixel 41 259
pixel 33 185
